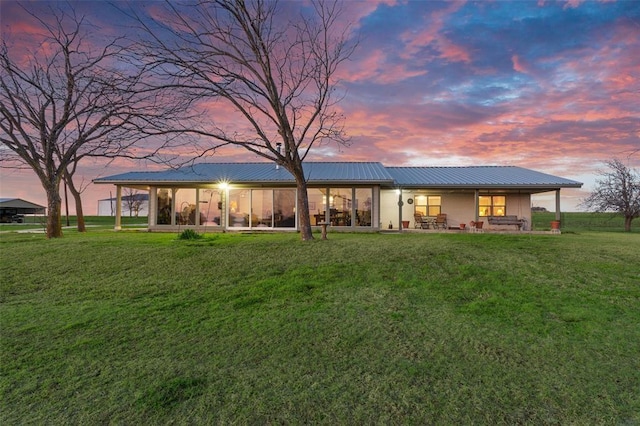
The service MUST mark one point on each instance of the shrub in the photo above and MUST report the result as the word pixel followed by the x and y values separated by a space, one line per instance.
pixel 189 234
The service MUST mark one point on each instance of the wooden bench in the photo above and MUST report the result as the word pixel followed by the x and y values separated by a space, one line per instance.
pixel 507 220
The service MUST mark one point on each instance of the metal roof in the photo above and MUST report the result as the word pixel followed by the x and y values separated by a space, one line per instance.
pixel 477 177
pixel 315 172
pixel 350 173
pixel 26 207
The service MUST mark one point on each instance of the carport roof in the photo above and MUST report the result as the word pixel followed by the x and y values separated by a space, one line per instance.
pixel 20 204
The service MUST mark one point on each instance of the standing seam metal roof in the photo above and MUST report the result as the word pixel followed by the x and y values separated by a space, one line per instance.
pixel 260 172
pixel 351 172
pixel 494 176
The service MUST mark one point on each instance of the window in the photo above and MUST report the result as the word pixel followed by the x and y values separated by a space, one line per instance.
pixel 164 207
pixel 428 205
pixel 210 207
pixel 363 206
pixel 340 206
pixel 185 206
pixel 239 207
pixel 262 208
pixel 347 206
pixel 492 205
pixel 284 208
pixel 317 205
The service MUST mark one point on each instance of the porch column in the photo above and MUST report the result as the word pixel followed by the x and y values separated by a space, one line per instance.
pixel 400 204
pixel 152 215
pixel 476 205
pixel 557 204
pixel 118 226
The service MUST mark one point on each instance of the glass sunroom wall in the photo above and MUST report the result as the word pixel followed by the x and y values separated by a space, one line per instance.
pixel 210 202
pixel 284 208
pixel 363 204
pixel 262 208
pixel 185 206
pixel 341 204
pixel 163 215
pixel 239 207
pixel 317 205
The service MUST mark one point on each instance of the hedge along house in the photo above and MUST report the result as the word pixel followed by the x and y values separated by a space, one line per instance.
pixel 353 196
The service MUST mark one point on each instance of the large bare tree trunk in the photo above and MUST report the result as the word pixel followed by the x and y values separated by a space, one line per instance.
pixel 627 223
pixel 54 211
pixel 304 220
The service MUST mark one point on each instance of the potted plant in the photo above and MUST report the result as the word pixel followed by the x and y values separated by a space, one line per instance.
pixel 463 225
pixel 555 224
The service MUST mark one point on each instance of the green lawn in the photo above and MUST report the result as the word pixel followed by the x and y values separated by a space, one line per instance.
pixel 141 328
pixel 578 222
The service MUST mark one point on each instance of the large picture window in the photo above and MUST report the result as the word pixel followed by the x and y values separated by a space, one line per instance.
pixel 317 205
pixel 340 203
pixel 492 205
pixel 210 207
pixel 262 208
pixel 363 203
pixel 164 206
pixel 185 206
pixel 428 205
pixel 347 206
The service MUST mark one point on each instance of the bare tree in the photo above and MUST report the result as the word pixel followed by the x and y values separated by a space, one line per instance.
pixel 618 190
pixel 72 99
pixel 133 201
pixel 276 70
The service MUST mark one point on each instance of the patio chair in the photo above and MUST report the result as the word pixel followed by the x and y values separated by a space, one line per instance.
pixel 441 221
pixel 420 221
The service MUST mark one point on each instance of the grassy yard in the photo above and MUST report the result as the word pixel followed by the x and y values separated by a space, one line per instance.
pixel 578 222
pixel 133 328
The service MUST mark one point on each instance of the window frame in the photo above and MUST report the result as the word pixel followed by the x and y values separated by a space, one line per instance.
pixel 491 208
pixel 428 209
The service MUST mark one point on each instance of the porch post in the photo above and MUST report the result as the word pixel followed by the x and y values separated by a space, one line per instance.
pixel 476 204
pixel 557 204
pixel 152 218
pixel 118 226
pixel 400 204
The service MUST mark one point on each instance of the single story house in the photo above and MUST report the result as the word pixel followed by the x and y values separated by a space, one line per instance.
pixel 14 209
pixel 349 195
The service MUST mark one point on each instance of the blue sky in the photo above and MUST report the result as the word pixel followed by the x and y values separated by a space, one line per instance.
pixel 552 86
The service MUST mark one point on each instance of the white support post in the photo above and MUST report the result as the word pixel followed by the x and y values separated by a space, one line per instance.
pixel 118 226
pixel 400 204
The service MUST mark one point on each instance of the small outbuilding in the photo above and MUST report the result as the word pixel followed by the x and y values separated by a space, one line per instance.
pixel 14 209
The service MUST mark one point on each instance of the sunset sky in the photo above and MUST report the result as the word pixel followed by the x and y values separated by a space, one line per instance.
pixel 551 86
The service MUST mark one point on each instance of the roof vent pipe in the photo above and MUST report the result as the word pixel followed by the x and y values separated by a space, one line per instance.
pixel 278 147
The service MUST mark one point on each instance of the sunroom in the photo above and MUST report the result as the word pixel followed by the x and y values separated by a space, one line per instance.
pixel 258 196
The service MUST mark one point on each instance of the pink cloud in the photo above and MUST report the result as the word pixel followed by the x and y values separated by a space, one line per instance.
pixel 432 35
pixel 519 64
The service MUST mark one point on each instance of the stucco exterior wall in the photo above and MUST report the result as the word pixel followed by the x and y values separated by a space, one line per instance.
pixel 458 206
